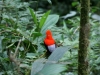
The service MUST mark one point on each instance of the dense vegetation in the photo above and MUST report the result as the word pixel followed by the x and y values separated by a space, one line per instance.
pixel 22 30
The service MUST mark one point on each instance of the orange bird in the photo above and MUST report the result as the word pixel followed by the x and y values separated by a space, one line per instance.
pixel 49 42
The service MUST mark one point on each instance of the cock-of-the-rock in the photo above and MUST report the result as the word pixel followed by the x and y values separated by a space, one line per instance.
pixel 49 42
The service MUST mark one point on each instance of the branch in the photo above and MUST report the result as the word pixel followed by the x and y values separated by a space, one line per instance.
pixel 12 56
pixel 16 51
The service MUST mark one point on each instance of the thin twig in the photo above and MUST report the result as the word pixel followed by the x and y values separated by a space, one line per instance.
pixel 12 57
pixel 76 29
pixel 16 51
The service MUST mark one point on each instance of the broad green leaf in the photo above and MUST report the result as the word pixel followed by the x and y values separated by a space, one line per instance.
pixel 25 66
pixel 43 19
pixel 75 3
pixel 52 69
pixel 33 16
pixel 49 1
pixel 51 20
pixel 57 54
pixel 37 66
pixel 54 57
pixel 30 55
pixel 35 34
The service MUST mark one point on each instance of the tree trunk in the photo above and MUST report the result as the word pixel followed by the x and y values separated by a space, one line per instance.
pixel 84 38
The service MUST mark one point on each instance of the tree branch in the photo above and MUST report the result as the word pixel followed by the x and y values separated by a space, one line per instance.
pixel 12 57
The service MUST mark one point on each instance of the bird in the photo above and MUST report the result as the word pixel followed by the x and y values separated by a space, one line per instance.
pixel 49 42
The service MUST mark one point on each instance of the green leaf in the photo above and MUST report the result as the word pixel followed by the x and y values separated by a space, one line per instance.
pixel 30 55
pixel 25 66
pixel 37 66
pixel 33 16
pixel 43 19
pixel 24 34
pixel 64 26
pixel 51 20
pixel 49 1
pixel 98 60
pixel 35 34
pixel 48 67
pixel 52 69
pixel 75 3
pixel 57 54
pixel 1 38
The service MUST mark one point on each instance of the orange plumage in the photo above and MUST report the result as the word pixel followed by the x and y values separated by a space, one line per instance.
pixel 49 39
pixel 49 42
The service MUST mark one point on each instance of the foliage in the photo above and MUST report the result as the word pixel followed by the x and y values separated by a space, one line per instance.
pixel 13 29
pixel 50 66
pixel 23 29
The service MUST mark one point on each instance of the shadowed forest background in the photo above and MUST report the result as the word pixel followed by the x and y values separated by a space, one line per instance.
pixel 23 24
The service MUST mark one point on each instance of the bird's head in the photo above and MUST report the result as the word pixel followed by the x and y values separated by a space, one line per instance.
pixel 48 34
pixel 49 39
